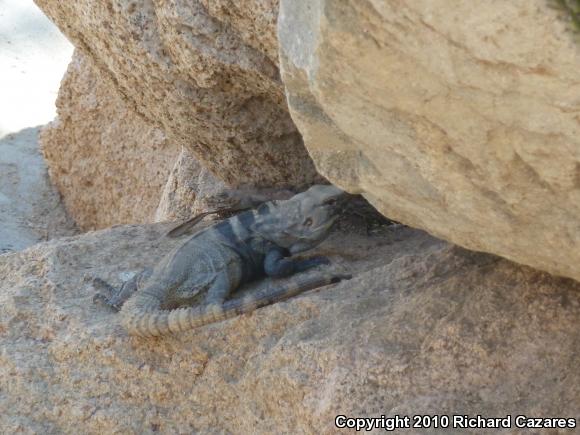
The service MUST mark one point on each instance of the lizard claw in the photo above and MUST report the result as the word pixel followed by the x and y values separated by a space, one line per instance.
pixel 101 299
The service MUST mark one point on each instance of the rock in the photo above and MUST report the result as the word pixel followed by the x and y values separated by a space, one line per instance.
pixel 458 119
pixel 191 189
pixel 423 327
pixel 182 189
pixel 205 72
pixel 108 163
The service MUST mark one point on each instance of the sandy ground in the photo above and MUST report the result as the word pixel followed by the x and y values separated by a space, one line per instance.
pixel 30 208
pixel 33 59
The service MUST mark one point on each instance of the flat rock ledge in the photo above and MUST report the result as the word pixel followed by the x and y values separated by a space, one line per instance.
pixel 423 327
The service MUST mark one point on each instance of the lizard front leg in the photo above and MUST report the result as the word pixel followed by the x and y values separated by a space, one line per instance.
pixel 277 264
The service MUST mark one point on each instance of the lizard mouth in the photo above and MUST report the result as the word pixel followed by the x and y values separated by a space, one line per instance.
pixel 308 242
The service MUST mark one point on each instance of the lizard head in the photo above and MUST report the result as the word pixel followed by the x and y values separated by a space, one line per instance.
pixel 303 221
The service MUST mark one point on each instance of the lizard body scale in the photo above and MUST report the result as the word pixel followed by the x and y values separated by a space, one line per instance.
pixel 214 262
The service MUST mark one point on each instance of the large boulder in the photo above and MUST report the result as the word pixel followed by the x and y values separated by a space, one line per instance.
pixel 112 166
pixel 461 118
pixel 205 72
pixel 109 164
pixel 422 328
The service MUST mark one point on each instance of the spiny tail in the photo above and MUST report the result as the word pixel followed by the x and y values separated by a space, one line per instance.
pixel 141 315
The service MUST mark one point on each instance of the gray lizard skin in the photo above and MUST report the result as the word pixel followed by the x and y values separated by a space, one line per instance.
pixel 188 287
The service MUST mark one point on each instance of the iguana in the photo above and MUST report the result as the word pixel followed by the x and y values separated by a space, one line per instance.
pixel 214 262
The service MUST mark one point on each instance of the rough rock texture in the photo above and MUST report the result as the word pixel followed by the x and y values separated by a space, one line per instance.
pixel 423 327
pixel 109 164
pixel 181 190
pixel 192 189
pixel 458 119
pixel 204 71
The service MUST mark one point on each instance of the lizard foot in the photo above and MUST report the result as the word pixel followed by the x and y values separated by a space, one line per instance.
pixel 101 299
pixel 118 296
pixel 340 277
pixel 304 265
pixel 106 299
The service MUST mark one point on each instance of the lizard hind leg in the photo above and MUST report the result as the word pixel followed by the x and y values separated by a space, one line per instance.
pixel 116 297
pixel 184 300
pixel 219 290
pixel 104 298
pixel 192 291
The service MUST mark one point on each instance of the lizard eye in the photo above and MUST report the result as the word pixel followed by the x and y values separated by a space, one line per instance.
pixel 307 222
pixel 331 201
